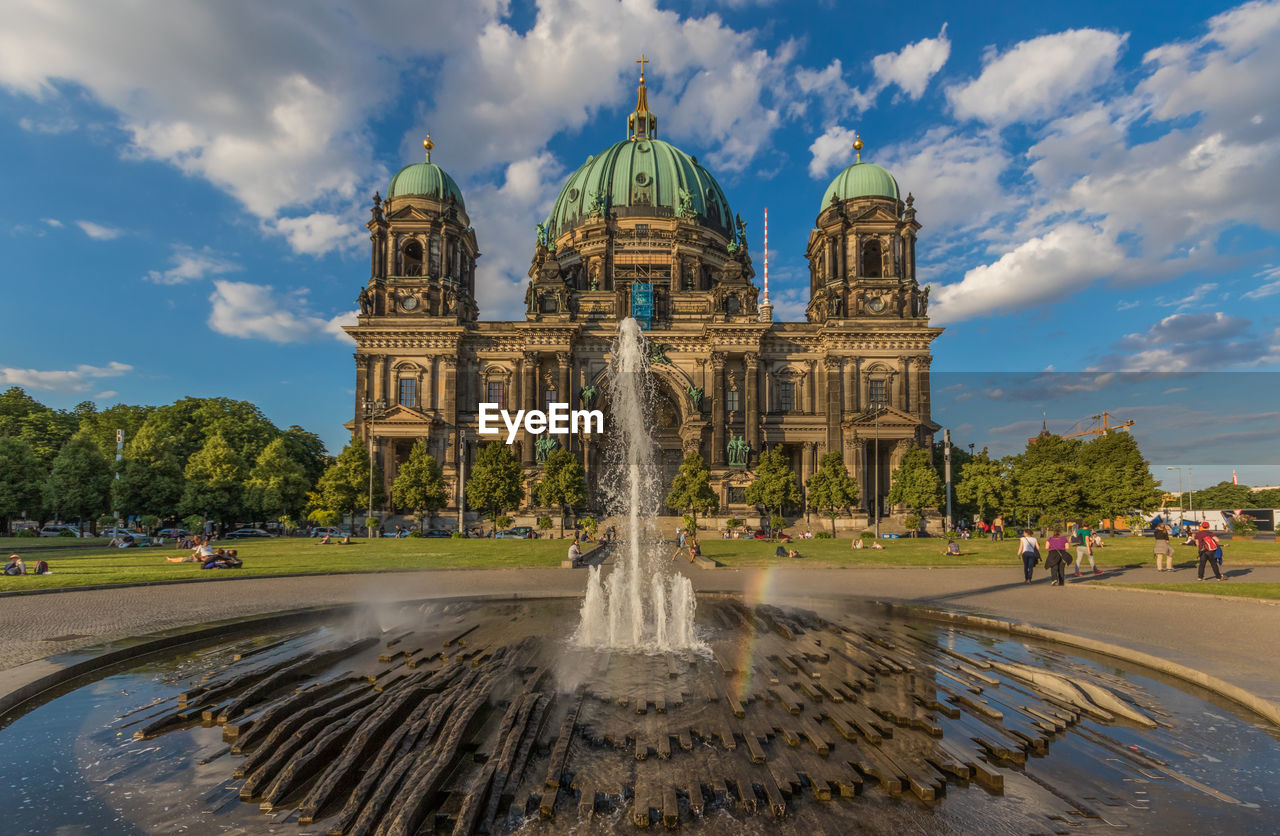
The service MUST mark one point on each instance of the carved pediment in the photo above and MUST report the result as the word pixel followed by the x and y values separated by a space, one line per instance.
pixel 409 213
pixel 401 414
pixel 874 213
pixel 889 416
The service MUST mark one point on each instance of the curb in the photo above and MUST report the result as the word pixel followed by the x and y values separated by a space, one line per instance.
pixel 1264 708
pixel 1119 587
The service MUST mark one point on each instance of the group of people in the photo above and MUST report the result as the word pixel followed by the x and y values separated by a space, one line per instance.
pixel 687 542
pixel 208 557
pixel 1057 557
pixel 16 566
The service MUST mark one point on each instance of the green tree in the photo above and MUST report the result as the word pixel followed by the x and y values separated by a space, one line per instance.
pixel 775 484
pixel 78 481
pixel 1268 498
pixel 915 483
pixel 215 481
pixel 344 486
pixel 1223 496
pixel 278 483
pixel 1046 477
pixel 691 489
pixel 563 483
pixel 1115 478
pixel 45 430
pixel 496 483
pixel 307 449
pixel 419 484
pixel 151 474
pixel 101 426
pixel 982 484
pixel 21 480
pixel 831 488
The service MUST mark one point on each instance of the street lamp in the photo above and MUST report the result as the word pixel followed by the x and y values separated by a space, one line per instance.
pixel 1180 496
pixel 462 478
pixel 373 410
pixel 879 410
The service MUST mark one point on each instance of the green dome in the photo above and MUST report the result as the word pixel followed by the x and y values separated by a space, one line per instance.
pixel 424 179
pixel 651 177
pixel 860 180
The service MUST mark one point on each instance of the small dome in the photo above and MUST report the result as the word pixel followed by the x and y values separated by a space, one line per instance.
pixel 424 179
pixel 860 180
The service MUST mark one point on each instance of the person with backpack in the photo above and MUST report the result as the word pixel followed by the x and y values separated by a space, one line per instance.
pixel 1209 549
pixel 1029 551
pixel 15 566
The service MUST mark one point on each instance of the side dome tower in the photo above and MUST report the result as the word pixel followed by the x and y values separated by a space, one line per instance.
pixel 642 219
pixel 862 250
pixel 424 249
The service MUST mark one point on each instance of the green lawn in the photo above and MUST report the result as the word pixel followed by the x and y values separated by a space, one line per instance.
pixel 287 555
pixel 1119 551
pixel 1235 588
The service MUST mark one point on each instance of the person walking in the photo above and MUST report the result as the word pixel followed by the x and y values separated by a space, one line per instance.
pixel 680 541
pixel 1208 547
pixel 1058 558
pixel 1029 551
pixel 1082 539
pixel 1163 548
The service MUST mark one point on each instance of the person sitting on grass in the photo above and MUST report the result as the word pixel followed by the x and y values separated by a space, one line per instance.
pixel 326 540
pixel 857 543
pixel 953 549
pixel 875 544
pixel 15 566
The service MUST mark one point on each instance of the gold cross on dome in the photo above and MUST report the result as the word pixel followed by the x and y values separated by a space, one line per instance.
pixel 642 61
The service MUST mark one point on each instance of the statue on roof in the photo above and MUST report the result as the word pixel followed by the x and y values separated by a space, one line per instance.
pixel 376 211
pixel 686 204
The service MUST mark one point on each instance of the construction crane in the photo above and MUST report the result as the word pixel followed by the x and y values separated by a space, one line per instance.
pixel 1104 428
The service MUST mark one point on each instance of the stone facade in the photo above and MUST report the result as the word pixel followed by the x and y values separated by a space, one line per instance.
pixel 853 379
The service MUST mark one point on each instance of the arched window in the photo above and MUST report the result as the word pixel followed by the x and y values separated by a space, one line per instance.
pixel 413 258
pixel 435 256
pixel 872 268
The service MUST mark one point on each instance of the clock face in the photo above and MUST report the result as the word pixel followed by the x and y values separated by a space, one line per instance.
pixel 876 304
pixel 409 303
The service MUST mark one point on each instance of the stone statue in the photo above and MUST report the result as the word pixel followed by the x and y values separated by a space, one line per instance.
pixel 595 275
pixel 545 446
pixel 365 300
pixel 529 299
pixel 742 231
pixel 542 234
pixel 924 300
pixel 738 451
pixel 376 211
pixel 695 397
pixel 596 208
pixel 658 354
pixel 686 204
pixel 587 395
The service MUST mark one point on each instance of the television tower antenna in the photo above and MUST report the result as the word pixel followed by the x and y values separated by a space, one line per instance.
pixel 766 307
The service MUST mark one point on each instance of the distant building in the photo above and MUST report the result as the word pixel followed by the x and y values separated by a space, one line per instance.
pixel 643 229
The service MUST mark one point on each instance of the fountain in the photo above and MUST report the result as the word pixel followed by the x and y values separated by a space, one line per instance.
pixel 641 606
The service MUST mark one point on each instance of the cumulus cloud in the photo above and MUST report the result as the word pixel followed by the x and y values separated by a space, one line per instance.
pixel 53 222
pixel 96 231
pixel 1195 342
pixel 319 232
pixel 912 67
pixel 257 311
pixel 1034 78
pixel 191 265
pixel 79 379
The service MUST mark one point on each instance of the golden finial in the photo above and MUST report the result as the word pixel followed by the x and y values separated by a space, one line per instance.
pixel 857 148
pixel 427 144
pixel 642 61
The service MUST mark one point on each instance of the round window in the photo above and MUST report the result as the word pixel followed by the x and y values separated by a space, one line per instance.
pixel 573 194
pixel 642 178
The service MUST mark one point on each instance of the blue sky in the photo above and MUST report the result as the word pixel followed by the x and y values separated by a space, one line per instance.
pixel 186 185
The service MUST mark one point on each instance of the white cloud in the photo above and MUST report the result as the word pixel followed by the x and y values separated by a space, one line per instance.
pixel 1270 286
pixel 53 222
pixel 1194 342
pixel 912 67
pixel 191 265
pixel 1034 78
pixel 97 232
pixel 319 233
pixel 107 393
pixel 832 150
pixel 54 125
pixel 79 379
pixel 257 311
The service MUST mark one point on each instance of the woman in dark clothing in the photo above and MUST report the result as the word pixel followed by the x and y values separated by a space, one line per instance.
pixel 1163 548
pixel 1058 558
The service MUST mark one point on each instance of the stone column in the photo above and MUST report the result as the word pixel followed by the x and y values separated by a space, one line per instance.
pixel 848 401
pixel 807 450
pixel 904 386
pixel 717 409
pixel 428 384
pixel 379 377
pixel 563 384
pixel 528 398
pixel 703 382
pixel 806 389
pixel 766 389
pixel 751 421
pixel 922 385
pixel 362 388
pixel 843 240
pixel 833 402
pixel 451 408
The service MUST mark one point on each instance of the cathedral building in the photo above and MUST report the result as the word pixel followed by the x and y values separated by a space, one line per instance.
pixel 642 229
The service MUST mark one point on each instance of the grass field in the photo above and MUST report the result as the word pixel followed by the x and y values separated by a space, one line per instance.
pixel 96 564
pixel 1231 588
pixel 80 562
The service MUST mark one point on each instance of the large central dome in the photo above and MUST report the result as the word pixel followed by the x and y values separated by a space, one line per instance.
pixel 641 176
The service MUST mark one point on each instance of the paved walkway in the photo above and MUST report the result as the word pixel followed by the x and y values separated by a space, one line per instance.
pixel 1205 633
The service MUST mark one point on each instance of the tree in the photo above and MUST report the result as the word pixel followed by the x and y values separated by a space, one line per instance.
pixel 344 486
pixel 21 480
pixel 101 426
pixel 1268 498
pixel 1115 478
pixel 775 484
pixel 214 481
pixel 831 488
pixel 982 484
pixel 278 483
pixel 1046 477
pixel 496 483
pixel 1223 496
pixel 563 483
pixel 691 489
pixel 78 480
pixel 307 449
pixel 915 483
pixel 419 484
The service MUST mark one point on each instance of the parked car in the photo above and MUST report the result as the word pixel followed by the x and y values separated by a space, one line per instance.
pixel 437 532
pixel 173 533
pixel 56 529
pixel 248 532
pixel 519 532
pixel 139 539
pixel 330 530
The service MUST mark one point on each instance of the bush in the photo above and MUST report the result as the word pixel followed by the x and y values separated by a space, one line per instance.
pixel 416 533
pixel 777 523
pixel 732 523
pixel 457 535
pixel 66 532
pixel 590 525
pixel 868 537
pixel 149 523
pixel 823 535
pixel 371 524
pixel 545 523
pixel 912 524
pixel 502 522
pixel 107 521
pixel 1243 526
pixel 28 532
pixel 1136 523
